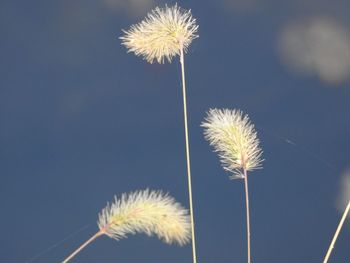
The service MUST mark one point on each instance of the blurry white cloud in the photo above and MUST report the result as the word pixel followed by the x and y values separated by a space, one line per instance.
pixel 319 46
pixel 344 191
pixel 132 7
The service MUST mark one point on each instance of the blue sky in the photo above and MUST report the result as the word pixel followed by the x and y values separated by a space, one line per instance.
pixel 81 121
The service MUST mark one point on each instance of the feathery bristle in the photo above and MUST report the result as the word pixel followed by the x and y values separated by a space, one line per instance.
pixel 235 139
pixel 162 34
pixel 150 212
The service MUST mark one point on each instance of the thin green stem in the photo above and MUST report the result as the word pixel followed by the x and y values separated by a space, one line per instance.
pixel 99 233
pixel 247 210
pixel 337 233
pixel 182 61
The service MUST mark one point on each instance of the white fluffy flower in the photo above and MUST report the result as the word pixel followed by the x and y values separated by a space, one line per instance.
pixel 162 34
pixel 150 212
pixel 234 138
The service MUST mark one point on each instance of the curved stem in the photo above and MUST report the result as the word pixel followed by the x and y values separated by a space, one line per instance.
pixel 99 233
pixel 182 61
pixel 247 209
pixel 337 233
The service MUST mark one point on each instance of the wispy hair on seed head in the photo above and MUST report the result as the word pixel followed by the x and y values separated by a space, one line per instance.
pixel 162 34
pixel 234 138
pixel 150 212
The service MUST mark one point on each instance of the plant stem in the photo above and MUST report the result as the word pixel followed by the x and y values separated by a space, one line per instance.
pixel 247 209
pixel 99 233
pixel 182 61
pixel 337 233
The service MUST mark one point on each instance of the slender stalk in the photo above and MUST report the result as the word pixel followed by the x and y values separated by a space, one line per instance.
pixel 182 61
pixel 99 233
pixel 247 209
pixel 337 233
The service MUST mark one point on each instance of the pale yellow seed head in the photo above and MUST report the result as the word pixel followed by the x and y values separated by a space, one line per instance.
pixel 162 34
pixel 235 139
pixel 150 212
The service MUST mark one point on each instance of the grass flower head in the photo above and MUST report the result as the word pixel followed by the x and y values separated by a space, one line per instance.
pixel 150 212
pixel 235 139
pixel 162 34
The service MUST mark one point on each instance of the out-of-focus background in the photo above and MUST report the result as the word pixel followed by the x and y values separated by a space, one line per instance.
pixel 81 120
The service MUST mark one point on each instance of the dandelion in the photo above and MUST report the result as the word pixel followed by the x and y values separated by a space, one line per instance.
pixel 235 139
pixel 149 212
pixel 163 34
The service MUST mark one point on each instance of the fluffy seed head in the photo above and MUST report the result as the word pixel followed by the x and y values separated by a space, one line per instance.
pixel 162 34
pixel 235 139
pixel 150 212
